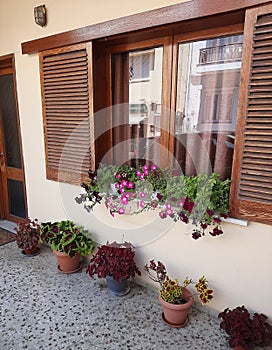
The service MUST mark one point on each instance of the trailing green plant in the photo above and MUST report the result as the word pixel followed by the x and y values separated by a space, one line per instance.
pixel 170 289
pixel 28 234
pixel 202 200
pixel 67 237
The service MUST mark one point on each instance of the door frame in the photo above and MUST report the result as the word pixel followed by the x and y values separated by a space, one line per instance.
pixel 7 66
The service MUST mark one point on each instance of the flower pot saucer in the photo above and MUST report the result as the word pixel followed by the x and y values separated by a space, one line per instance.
pixel 175 325
pixel 31 255
pixel 78 269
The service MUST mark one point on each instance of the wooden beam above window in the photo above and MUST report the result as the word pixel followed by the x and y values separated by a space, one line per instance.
pixel 192 9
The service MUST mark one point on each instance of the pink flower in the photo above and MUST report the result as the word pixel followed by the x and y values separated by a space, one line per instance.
pixel 162 215
pixel 130 185
pixel 124 183
pixel 169 211
pixel 118 176
pixel 124 199
pixel 142 194
pixel 122 190
pixel 138 173
pixel 142 204
pixel 116 185
pixel 167 206
pixel 121 211
pixel 153 167
pixel 181 202
pixel 145 172
pixel 145 167
pixel 141 176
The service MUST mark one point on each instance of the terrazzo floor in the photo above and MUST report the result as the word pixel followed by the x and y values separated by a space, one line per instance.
pixel 43 309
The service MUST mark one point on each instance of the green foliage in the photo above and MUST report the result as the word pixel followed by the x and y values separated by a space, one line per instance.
pixel 202 200
pixel 66 237
pixel 171 290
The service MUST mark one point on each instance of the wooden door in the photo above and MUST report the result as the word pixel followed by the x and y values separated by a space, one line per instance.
pixel 12 180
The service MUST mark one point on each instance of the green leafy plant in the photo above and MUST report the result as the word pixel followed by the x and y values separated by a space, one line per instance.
pixel 246 329
pixel 170 289
pixel 114 259
pixel 28 234
pixel 202 200
pixel 66 237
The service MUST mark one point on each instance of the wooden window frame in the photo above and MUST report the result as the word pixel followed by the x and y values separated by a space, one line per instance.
pixel 195 19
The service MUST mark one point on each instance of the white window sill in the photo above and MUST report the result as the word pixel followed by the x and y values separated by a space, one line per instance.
pixel 236 221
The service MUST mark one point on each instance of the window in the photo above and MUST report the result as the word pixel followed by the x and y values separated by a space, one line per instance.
pixel 206 104
pixel 136 113
pixel 186 115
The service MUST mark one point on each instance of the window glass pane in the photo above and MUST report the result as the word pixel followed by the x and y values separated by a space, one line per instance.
pixel 137 87
pixel 207 97
pixel 9 122
pixel 145 106
pixel 16 198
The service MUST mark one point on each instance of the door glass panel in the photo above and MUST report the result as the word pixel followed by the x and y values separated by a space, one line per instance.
pixel 137 84
pixel 207 97
pixel 9 122
pixel 16 198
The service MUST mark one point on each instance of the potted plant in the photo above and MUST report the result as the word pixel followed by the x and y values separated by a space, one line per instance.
pixel 176 299
pixel 28 236
pixel 246 331
pixel 69 242
pixel 202 200
pixel 115 262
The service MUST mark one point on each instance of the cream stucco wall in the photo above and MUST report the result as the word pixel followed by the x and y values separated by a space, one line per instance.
pixel 237 264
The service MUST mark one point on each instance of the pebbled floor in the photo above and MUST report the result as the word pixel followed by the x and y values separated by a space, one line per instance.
pixel 43 309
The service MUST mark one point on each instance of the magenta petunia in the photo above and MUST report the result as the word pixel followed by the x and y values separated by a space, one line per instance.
pixel 169 212
pixel 121 211
pixel 145 167
pixel 124 199
pixel 162 215
pixel 142 204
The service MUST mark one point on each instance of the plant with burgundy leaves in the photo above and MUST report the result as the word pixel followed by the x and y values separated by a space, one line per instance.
pixel 28 234
pixel 246 329
pixel 67 237
pixel 171 290
pixel 114 259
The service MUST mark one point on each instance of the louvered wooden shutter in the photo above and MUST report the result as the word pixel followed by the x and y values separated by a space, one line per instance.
pixel 66 81
pixel 252 168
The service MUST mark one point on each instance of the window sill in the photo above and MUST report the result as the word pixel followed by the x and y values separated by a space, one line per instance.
pixel 236 221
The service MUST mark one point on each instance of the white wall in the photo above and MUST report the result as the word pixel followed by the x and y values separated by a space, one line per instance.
pixel 237 264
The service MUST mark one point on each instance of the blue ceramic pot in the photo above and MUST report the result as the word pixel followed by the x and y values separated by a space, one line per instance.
pixel 117 289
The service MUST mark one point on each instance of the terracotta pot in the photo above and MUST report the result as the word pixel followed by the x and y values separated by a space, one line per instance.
pixel 239 347
pixel 66 263
pixel 31 251
pixel 176 314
